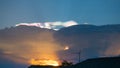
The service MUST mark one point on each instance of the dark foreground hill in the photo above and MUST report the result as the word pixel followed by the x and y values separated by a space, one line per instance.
pixel 110 62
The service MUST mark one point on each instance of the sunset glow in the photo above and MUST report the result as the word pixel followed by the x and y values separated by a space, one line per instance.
pixel 44 62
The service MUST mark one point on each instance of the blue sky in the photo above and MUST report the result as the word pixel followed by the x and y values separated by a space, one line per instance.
pixel 98 12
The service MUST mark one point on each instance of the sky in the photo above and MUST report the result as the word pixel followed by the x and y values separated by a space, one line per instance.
pixel 98 12
pixel 14 42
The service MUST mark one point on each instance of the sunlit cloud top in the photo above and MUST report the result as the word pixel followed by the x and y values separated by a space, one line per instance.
pixel 50 25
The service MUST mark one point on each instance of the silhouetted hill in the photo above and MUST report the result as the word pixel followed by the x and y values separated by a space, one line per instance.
pixel 110 62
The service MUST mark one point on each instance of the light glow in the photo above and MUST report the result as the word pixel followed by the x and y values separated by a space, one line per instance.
pixel 66 48
pixel 44 62
pixel 50 25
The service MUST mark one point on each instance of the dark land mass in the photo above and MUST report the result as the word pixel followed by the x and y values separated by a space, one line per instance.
pixel 107 62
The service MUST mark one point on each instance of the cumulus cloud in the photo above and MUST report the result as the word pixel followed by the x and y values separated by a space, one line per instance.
pixel 50 25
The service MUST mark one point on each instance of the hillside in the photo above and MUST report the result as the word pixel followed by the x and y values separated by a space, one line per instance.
pixel 108 62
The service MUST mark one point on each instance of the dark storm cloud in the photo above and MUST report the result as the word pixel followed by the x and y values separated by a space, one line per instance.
pixel 93 41
pixel 23 43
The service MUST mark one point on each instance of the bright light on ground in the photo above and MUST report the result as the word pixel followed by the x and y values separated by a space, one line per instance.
pixel 44 62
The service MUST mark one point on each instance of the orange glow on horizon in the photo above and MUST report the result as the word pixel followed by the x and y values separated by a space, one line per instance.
pixel 44 62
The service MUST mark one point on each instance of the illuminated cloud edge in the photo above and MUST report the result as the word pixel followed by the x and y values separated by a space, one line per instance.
pixel 50 25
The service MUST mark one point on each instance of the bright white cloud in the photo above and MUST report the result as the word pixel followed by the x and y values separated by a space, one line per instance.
pixel 51 25
pixel 69 23
pixel 29 24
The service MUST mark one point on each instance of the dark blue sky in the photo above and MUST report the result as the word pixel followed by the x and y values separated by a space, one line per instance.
pixel 98 12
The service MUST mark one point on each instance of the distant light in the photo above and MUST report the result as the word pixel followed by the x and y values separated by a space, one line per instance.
pixel 66 48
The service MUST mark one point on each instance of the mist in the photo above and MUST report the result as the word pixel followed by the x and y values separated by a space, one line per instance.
pixel 25 45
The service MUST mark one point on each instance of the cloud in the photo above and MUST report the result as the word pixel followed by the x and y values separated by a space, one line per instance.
pixel 114 48
pixel 51 25
pixel 28 45
pixel 22 47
